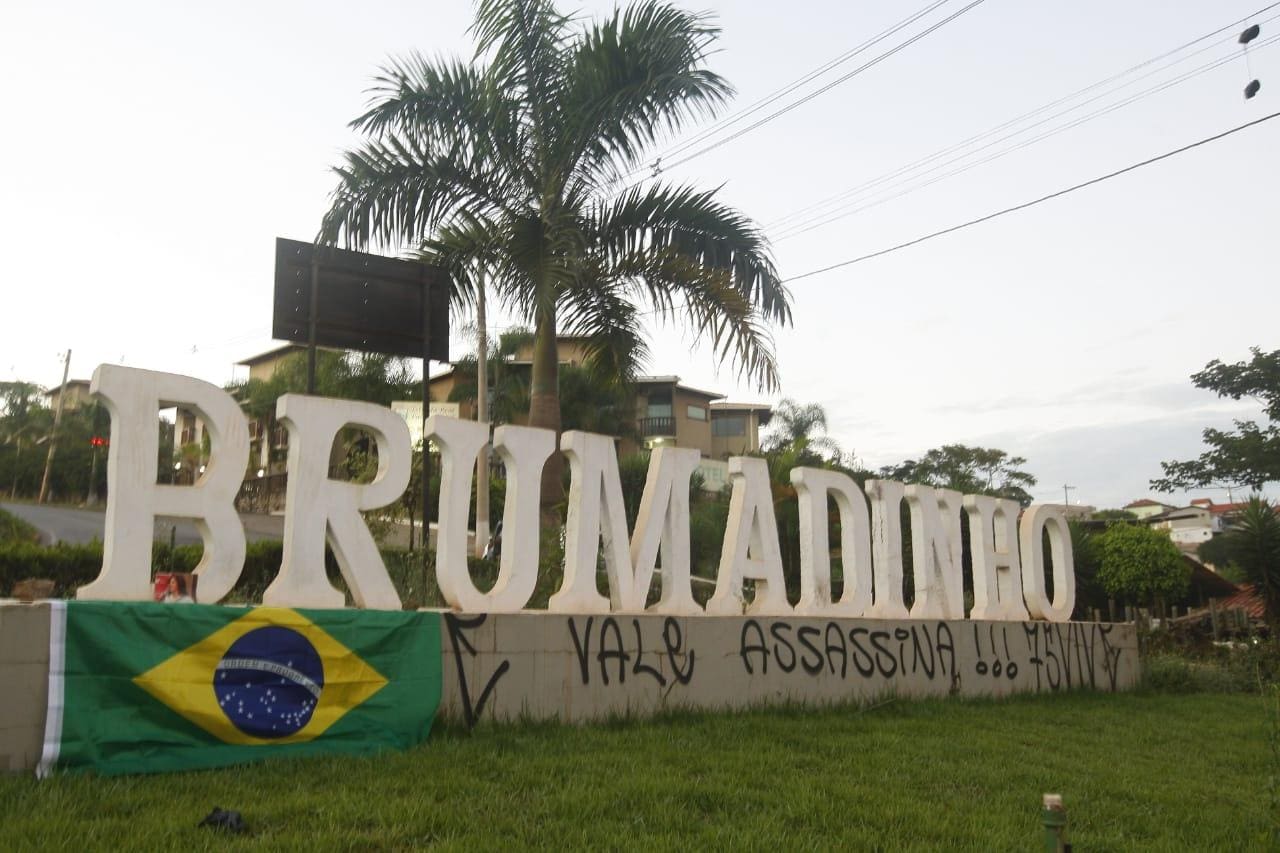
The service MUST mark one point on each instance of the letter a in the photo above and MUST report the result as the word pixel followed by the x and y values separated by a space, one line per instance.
pixel 750 548
pixel 134 499
pixel 597 514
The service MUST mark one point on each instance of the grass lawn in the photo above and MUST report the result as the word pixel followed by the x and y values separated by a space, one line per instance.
pixel 1137 772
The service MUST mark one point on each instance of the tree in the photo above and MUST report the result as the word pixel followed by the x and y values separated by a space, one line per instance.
pixel 23 422
pixel 369 377
pixel 797 438
pixel 508 386
pixel 800 432
pixel 512 162
pixel 1249 455
pixel 1090 593
pixel 1253 545
pixel 1141 564
pixel 970 470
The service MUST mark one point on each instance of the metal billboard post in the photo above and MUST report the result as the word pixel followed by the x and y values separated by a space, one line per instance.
pixel 314 301
pixel 330 297
pixel 426 457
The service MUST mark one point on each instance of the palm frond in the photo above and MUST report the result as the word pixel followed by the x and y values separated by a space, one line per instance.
pixel 694 224
pixel 634 78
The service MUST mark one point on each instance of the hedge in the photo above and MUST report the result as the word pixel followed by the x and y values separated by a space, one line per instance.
pixel 72 566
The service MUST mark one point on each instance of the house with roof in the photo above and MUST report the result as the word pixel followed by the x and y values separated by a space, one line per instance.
pixel 1187 526
pixel 1147 508
pixel 75 396
pixel 1221 513
pixel 668 412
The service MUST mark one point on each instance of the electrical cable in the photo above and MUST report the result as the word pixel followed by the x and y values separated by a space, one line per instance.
pixel 803 100
pixel 805 211
pixel 793 105
pixel 988 217
pixel 843 211
pixel 785 90
pixel 729 121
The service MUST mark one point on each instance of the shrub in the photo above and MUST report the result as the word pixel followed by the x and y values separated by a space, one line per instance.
pixel 1141 564
pixel 1245 667
pixel 67 565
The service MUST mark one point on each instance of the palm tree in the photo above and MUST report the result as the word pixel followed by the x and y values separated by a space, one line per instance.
pixel 508 387
pixel 799 432
pixel 1253 543
pixel 512 162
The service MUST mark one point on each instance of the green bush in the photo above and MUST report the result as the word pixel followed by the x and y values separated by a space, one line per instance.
pixel 70 566
pixel 1174 674
pixel 1246 667
pixel 67 565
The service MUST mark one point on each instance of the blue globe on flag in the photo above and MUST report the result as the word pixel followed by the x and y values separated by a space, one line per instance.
pixel 269 681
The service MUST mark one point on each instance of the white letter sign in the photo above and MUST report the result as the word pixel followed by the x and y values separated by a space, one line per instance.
pixel 134 499
pixel 318 508
pixel 750 549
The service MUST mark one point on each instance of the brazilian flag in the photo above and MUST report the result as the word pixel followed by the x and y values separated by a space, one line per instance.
pixel 152 687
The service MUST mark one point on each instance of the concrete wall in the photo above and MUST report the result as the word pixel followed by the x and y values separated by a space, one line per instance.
pixel 24 691
pixel 576 668
pixel 580 668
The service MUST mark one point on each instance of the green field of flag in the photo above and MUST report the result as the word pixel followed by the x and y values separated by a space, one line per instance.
pixel 151 687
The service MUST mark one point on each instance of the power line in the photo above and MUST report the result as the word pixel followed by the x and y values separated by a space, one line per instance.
pixel 805 99
pixel 791 87
pixel 1034 202
pixel 794 104
pixel 843 211
pixel 785 90
pixel 805 211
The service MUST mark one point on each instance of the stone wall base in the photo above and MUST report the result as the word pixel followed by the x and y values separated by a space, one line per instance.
pixel 538 665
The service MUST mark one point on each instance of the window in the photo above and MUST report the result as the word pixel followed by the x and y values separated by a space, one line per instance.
pixel 659 405
pixel 729 425
pixel 696 413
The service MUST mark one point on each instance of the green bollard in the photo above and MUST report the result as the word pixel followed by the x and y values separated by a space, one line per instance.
pixel 1054 818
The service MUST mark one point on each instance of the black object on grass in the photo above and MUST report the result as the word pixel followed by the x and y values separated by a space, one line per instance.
pixel 224 820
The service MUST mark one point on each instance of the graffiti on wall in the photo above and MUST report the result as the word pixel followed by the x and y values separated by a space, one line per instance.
pixel 616 661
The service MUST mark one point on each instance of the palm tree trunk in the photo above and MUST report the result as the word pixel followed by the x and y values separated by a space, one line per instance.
pixel 544 402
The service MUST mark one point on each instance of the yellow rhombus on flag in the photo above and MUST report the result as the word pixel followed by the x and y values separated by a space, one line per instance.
pixel 188 682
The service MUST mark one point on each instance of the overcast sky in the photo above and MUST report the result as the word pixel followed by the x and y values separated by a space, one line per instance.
pixel 152 152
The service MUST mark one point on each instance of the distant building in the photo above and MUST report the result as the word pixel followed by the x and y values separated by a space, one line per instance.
pixel 1146 508
pixel 1078 512
pixel 1187 526
pixel 1222 513
pixel 668 413
pixel 77 395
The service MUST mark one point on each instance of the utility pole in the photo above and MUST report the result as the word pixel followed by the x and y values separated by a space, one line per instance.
pixel 53 433
pixel 482 415
pixel 1066 498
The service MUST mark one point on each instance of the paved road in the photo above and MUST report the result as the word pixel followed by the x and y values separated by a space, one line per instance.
pixel 67 524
